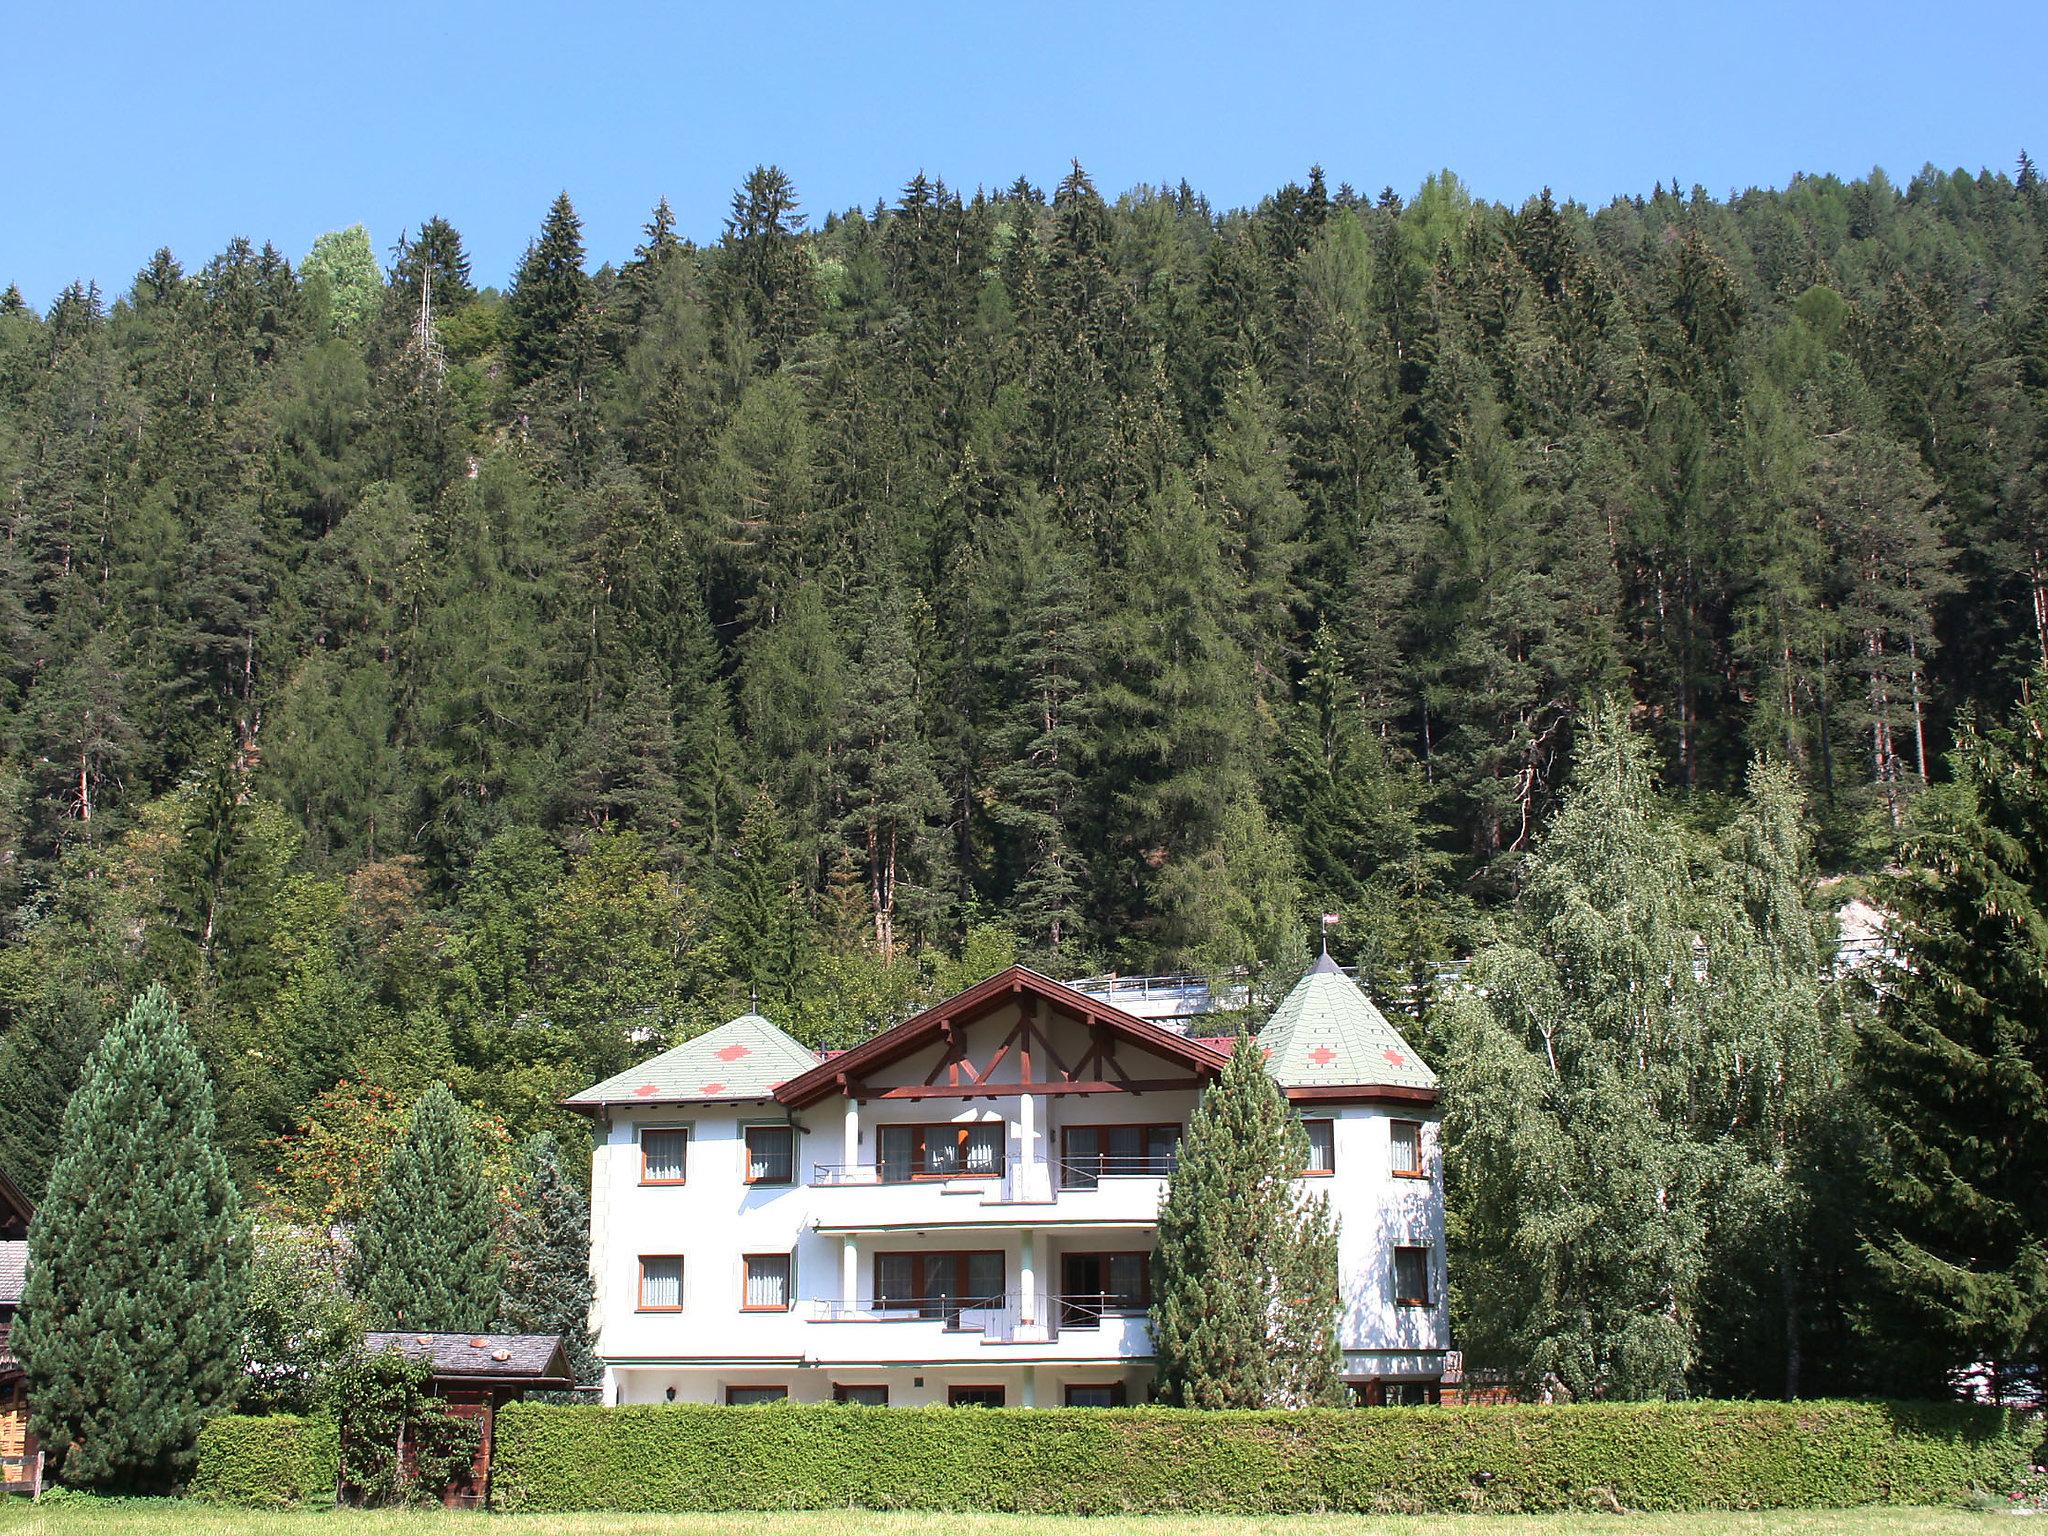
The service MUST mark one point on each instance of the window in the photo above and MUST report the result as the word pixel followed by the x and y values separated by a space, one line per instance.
pixel 747 1397
pixel 771 1154
pixel 661 1282
pixel 1411 1394
pixel 1322 1146
pixel 1404 1137
pixel 1411 1277
pixel 958 1151
pixel 1106 1395
pixel 866 1397
pixel 664 1155
pixel 975 1397
pixel 764 1284
pixel 1096 1285
pixel 940 1285
pixel 1096 1152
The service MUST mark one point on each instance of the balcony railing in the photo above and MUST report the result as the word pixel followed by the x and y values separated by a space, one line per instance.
pixel 992 1167
pixel 909 1309
pixel 1088 1172
pixel 1087 1309
pixel 998 1319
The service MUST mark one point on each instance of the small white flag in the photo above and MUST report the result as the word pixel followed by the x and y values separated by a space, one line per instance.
pixel 1330 919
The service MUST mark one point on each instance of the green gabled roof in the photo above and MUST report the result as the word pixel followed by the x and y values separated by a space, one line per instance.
pixel 1326 1033
pixel 743 1059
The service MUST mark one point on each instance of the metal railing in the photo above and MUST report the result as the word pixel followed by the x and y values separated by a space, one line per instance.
pixel 1087 1172
pixel 1087 1309
pixel 909 1309
pixel 991 1167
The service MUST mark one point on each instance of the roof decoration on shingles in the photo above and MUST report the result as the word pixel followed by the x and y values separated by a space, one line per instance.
pixel 1326 1033
pixel 742 1059
pixel 519 1357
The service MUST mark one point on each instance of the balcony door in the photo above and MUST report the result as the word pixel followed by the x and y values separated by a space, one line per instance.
pixel 938 1285
pixel 961 1151
pixel 1093 1285
pixel 1097 1152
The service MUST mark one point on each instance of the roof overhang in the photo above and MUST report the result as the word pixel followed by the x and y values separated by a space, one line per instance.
pixel 845 1072
pixel 693 1101
pixel 1385 1093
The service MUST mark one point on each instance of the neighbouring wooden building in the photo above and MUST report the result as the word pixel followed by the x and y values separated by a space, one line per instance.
pixel 476 1374
pixel 19 1462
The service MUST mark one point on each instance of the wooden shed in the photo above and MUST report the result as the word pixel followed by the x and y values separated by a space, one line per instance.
pixel 476 1374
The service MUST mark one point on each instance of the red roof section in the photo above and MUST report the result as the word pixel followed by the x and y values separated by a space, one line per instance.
pixel 918 1030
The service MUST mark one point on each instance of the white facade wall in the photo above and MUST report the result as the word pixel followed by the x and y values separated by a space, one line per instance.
pixel 836 1217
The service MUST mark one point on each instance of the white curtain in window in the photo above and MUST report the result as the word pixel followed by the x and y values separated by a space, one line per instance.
pixel 1407 1145
pixel 661 1282
pixel 768 1280
pixel 664 1152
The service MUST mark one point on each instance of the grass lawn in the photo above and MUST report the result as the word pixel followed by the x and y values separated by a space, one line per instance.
pixel 19 1518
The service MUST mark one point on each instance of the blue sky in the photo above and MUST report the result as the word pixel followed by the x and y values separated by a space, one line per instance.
pixel 125 127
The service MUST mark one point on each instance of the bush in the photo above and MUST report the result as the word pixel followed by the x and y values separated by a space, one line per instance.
pixel 267 1462
pixel 1676 1456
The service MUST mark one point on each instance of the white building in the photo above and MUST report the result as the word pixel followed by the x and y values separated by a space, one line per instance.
pixel 961 1208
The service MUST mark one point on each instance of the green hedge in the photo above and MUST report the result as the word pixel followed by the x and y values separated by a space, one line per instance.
pixel 1677 1456
pixel 268 1462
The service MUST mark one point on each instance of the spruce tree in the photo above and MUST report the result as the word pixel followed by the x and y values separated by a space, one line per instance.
pixel 547 1257
pixel 42 1061
pixel 547 297
pixel 1244 1268
pixel 1955 1069
pixel 425 1256
pixel 131 1322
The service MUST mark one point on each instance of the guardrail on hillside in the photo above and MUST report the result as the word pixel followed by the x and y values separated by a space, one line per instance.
pixel 1188 994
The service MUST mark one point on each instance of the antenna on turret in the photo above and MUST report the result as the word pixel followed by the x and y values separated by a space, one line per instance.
pixel 1330 920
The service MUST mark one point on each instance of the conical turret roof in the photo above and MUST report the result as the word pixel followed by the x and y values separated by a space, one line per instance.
pixel 741 1059
pixel 1326 1033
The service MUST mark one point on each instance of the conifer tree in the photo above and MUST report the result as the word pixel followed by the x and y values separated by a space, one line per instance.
pixel 42 1061
pixel 1244 1267
pixel 425 1256
pixel 1955 1070
pixel 131 1321
pixel 547 1256
pixel 545 305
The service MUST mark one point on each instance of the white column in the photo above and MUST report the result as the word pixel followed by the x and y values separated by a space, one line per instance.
pixel 1023 1179
pixel 851 1154
pixel 1030 1392
pixel 849 1271
pixel 1027 1278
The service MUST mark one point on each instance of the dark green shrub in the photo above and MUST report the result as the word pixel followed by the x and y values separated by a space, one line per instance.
pixel 1673 1456
pixel 266 1462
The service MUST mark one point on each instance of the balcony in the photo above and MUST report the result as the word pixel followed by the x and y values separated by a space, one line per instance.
pixel 1108 1191
pixel 1090 1324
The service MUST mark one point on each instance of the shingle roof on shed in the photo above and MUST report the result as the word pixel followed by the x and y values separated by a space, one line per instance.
pixel 533 1357
pixel 13 1272
pixel 742 1059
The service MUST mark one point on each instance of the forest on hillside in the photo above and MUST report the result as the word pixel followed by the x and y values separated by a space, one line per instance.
pixel 427 681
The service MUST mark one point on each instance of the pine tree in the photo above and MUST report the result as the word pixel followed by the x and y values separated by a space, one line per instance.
pixel 763 925
pixel 1243 1264
pixel 889 785
pixel 1955 1070
pixel 131 1321
pixel 42 1061
pixel 425 1258
pixel 545 305
pixel 548 1287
